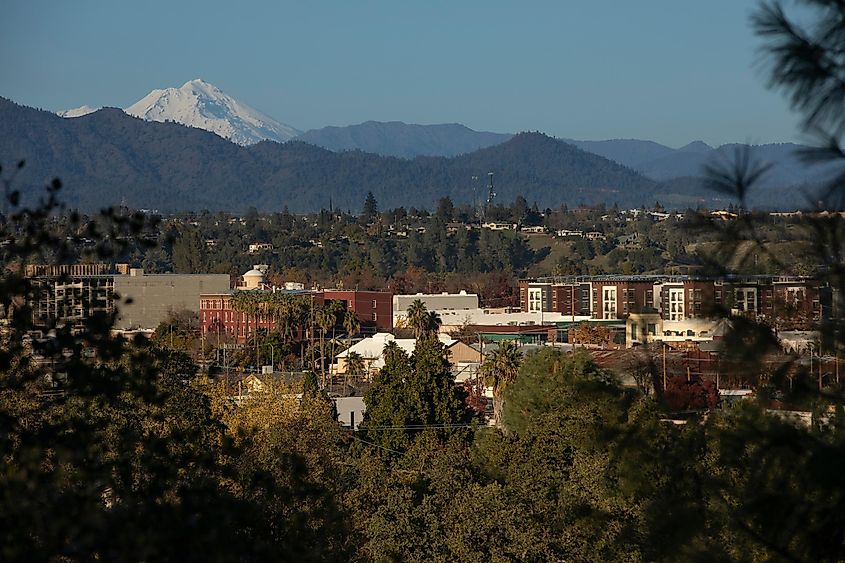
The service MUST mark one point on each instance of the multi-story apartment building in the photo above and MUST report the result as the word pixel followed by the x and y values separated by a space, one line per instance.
pixel 572 298
pixel 679 298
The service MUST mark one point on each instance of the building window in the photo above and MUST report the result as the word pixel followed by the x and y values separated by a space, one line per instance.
pixel 375 316
pixel 374 303
pixel 535 299
pixel 745 299
pixel 676 304
pixel 652 329
pixel 633 331
pixel 609 303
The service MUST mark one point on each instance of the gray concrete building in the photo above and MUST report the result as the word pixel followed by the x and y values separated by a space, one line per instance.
pixel 74 293
pixel 154 296
pixel 441 303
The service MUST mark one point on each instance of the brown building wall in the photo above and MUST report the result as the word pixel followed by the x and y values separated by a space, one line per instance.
pixel 460 352
pixel 699 298
pixel 523 295
pixel 631 296
pixel 374 309
pixel 775 298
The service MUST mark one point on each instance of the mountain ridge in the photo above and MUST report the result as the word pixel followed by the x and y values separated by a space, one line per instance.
pixel 108 157
pixel 405 140
pixel 203 105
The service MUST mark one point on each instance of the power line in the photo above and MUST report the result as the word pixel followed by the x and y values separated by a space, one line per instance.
pixel 376 445
pixel 418 427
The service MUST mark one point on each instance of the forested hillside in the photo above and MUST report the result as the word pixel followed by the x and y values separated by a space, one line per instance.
pixel 406 140
pixel 108 157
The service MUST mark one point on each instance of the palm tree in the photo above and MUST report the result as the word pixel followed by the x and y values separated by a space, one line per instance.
pixel 247 303
pixel 326 319
pixel 416 317
pixel 351 325
pixel 390 352
pixel 432 322
pixel 283 313
pixel 500 369
pixel 354 364
pixel 337 310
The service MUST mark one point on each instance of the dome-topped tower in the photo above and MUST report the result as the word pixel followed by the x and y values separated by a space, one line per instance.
pixel 254 279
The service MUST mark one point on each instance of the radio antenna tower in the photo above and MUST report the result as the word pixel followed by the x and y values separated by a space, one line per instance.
pixel 490 193
pixel 475 207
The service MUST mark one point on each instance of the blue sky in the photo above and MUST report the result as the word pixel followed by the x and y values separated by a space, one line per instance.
pixel 666 70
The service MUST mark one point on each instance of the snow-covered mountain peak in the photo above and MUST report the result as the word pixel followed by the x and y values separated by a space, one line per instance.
pixel 201 104
pixel 77 112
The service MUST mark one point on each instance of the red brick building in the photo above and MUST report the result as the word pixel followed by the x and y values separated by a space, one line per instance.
pixel 374 310
pixel 566 299
pixel 617 298
pixel 787 300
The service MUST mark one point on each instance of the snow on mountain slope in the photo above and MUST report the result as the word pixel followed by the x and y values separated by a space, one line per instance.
pixel 203 105
pixel 76 112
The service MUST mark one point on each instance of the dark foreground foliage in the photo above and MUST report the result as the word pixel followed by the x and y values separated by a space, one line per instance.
pixel 132 456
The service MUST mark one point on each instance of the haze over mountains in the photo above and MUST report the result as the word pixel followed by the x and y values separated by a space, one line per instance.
pixel 204 106
pixel 108 157
pixel 395 138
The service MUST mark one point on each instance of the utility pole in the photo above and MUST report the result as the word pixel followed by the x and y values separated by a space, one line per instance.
pixel 479 386
pixel 811 359
pixel 311 334
pixel 475 194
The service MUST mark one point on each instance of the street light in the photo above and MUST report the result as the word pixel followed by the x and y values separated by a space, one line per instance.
pixel 272 354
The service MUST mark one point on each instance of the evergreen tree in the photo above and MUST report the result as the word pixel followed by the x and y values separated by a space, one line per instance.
pixel 445 209
pixel 411 396
pixel 370 212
